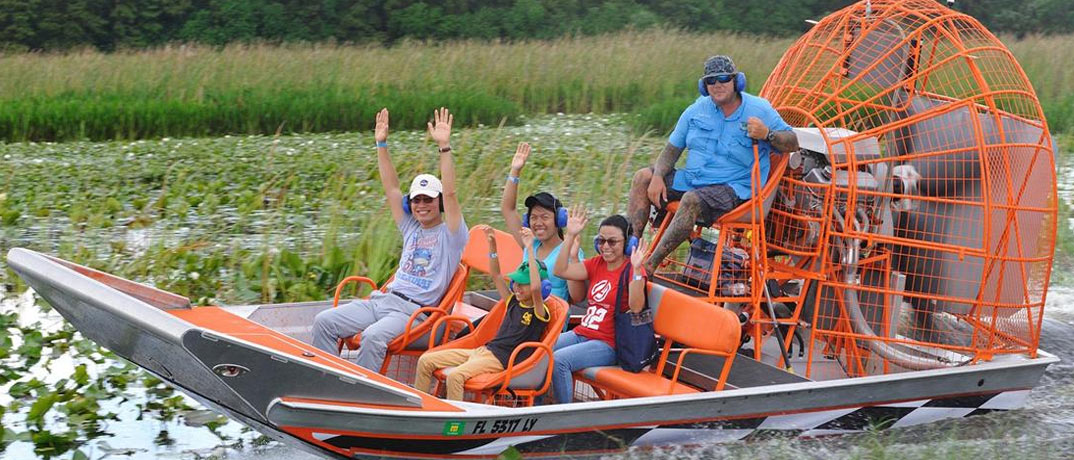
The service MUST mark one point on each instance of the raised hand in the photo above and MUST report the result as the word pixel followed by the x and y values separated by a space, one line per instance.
pixel 637 258
pixel 380 132
pixel 576 220
pixel 527 237
pixel 440 128
pixel 490 236
pixel 521 153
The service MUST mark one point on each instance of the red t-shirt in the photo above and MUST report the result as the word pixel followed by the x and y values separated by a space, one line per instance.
pixel 599 322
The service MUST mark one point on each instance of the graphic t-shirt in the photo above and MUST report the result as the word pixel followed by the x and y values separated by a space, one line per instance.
pixel 520 324
pixel 430 257
pixel 599 321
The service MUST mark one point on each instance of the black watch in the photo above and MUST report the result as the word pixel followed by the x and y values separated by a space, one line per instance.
pixel 770 137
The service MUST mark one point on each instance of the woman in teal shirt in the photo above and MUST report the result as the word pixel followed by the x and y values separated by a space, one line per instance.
pixel 546 216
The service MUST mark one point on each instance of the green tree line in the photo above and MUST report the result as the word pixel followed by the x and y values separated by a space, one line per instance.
pixel 56 25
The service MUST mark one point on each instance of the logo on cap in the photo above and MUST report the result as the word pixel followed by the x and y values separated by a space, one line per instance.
pixel 424 182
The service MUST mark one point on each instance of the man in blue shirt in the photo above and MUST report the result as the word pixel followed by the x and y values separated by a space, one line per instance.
pixel 719 130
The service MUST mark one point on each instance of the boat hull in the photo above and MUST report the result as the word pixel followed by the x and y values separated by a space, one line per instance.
pixel 324 404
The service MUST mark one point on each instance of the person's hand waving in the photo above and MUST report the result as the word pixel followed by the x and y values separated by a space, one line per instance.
pixel 576 220
pixel 380 132
pixel 490 235
pixel 440 128
pixel 519 160
pixel 637 258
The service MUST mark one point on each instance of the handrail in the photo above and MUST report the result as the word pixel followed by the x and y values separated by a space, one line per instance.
pixel 447 319
pixel 348 280
pixel 508 373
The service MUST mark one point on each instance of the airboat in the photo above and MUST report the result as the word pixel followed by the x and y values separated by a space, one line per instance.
pixel 891 272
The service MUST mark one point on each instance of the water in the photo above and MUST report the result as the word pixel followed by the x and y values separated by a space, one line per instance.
pixel 152 421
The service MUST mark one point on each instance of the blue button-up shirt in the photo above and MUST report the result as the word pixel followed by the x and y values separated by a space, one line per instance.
pixel 718 149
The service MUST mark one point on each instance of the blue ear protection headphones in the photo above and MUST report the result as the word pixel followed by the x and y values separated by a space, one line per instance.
pixel 546 285
pixel 406 203
pixel 560 211
pixel 631 241
pixel 561 218
pixel 546 288
pixel 740 84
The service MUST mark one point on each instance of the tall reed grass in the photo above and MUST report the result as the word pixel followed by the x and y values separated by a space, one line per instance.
pixel 194 90
pixel 197 90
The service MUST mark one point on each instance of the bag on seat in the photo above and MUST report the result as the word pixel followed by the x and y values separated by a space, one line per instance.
pixel 635 338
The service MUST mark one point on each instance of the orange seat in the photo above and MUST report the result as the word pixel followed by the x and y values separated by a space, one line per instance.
pixel 743 227
pixel 741 213
pixel 415 337
pixel 522 381
pixel 698 326
pixel 615 380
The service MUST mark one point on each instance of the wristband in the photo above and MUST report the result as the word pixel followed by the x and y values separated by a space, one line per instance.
pixel 513 179
pixel 639 278
pixel 445 149
pixel 382 144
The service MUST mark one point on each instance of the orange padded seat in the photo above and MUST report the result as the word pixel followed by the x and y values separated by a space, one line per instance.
pixel 617 381
pixel 523 380
pixel 698 326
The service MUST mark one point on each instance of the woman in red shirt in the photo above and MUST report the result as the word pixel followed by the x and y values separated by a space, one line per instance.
pixel 592 343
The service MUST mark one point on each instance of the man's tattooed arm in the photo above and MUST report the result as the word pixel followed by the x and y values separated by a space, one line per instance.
pixel 785 141
pixel 666 161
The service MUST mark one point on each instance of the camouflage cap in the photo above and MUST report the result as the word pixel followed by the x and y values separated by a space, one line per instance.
pixel 719 65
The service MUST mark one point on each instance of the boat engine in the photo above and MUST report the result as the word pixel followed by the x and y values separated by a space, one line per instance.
pixel 922 202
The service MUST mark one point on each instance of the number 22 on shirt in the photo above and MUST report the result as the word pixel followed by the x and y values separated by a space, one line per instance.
pixel 594 315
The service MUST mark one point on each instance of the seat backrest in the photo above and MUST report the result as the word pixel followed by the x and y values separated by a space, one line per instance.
pixel 476 253
pixel 743 213
pixel 693 322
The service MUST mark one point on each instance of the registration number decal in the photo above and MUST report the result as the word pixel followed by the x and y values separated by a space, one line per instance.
pixel 513 425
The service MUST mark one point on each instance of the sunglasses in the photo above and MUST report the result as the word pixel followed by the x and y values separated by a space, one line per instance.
pixel 613 242
pixel 722 78
pixel 422 199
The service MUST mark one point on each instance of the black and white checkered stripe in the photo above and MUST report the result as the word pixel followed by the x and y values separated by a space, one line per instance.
pixel 808 424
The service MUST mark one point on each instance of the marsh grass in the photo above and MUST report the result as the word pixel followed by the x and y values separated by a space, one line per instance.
pixel 195 91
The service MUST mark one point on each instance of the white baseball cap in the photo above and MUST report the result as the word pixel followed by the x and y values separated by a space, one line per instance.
pixel 426 184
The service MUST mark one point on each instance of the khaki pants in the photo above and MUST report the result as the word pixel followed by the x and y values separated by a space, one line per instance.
pixel 470 362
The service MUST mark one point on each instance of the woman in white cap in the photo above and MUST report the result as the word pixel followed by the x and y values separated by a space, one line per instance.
pixel 434 235
pixel 547 217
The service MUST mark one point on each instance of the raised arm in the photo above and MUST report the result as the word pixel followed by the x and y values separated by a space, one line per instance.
pixel 575 289
pixel 494 264
pixel 535 274
pixel 566 268
pixel 440 131
pixel 388 178
pixel 636 288
pixel 508 204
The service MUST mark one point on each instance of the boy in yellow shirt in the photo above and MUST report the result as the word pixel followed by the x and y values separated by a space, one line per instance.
pixel 525 321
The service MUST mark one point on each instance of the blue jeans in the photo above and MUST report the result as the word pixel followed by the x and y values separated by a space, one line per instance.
pixel 574 352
